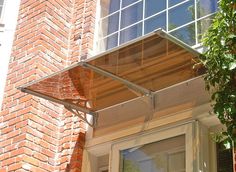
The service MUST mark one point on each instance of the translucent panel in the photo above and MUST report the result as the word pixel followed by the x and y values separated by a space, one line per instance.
pixel 109 6
pixel 181 97
pixel 128 2
pixel 131 14
pixel 153 6
pixel 205 7
pixel 131 33
pixel 162 156
pixel 174 2
pixel 83 87
pixel 153 63
pixel 1 2
pixel 109 25
pixel 186 34
pixel 202 26
pixel 181 15
pixel 0 11
pixel 155 22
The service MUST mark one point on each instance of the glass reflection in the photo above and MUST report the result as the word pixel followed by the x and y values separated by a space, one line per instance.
pixel 181 15
pixel 205 7
pixel 109 6
pixel 162 156
pixel 131 33
pixel 109 25
pixel 186 34
pixel 202 26
pixel 132 14
pixel 112 41
pixel 174 2
pixel 153 6
pixel 127 2
pixel 155 22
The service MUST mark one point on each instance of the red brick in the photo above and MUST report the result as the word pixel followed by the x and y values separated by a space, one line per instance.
pixel 43 44
pixel 9 161
pixel 14 167
pixel 31 160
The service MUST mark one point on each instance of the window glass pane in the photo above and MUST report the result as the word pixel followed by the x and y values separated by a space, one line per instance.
pixel 154 6
pixel 131 33
pixel 0 11
pixel 131 15
pixel 155 22
pixel 174 2
pixel 202 26
pixel 1 2
pixel 181 15
pixel 186 34
pixel 109 6
pixel 162 156
pixel 112 41
pixel 205 7
pixel 108 43
pixel 128 2
pixel 110 24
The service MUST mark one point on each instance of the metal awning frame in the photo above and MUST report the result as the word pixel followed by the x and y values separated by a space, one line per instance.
pixel 76 109
pixel 147 95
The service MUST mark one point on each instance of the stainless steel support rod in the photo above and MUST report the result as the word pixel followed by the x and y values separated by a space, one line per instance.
pixel 129 84
pixel 72 106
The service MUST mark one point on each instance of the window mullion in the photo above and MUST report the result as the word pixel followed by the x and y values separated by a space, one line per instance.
pixel 144 10
pixel 195 19
pixel 167 15
pixel 119 25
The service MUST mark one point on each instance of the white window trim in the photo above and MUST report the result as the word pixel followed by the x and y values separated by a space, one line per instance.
pixel 190 152
pixel 198 148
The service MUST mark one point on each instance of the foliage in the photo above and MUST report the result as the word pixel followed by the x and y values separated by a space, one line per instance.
pixel 220 61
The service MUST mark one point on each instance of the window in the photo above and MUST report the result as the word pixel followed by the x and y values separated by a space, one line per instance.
pixel 168 150
pixel 164 155
pixel 124 20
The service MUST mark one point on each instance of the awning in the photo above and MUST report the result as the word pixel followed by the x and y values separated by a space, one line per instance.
pixel 136 69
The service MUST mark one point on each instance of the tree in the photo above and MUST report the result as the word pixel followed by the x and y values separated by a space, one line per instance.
pixel 220 61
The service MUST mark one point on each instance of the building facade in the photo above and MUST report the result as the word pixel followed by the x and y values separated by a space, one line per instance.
pixel 40 135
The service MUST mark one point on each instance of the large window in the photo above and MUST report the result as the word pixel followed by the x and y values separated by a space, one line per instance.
pixel 123 20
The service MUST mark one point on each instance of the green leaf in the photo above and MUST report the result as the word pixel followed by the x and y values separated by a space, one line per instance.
pixel 232 65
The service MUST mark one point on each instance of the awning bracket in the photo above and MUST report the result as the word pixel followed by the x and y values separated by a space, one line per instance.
pixel 74 108
pixel 84 116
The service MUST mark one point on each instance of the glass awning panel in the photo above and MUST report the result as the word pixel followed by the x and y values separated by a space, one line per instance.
pixel 83 87
pixel 138 68
pixel 153 63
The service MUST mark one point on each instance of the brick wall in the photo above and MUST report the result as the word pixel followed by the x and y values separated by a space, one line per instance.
pixel 35 134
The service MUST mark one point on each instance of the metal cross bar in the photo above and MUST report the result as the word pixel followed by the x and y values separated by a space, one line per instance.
pixel 173 39
pixel 129 84
pixel 66 104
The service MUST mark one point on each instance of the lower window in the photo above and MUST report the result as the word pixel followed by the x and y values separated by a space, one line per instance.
pixel 169 150
pixel 162 156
